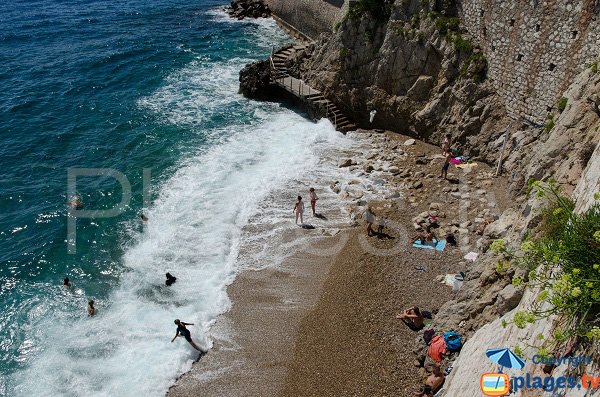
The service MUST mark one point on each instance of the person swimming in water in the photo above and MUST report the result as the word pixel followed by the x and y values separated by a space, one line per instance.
pixel 91 309
pixel 76 202
pixel 144 218
pixel 67 283
pixel 183 331
pixel 170 279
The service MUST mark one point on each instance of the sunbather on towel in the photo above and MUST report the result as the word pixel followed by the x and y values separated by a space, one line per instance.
pixel 413 318
pixel 433 383
pixel 427 237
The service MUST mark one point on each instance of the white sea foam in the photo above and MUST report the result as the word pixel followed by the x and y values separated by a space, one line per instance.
pixel 238 192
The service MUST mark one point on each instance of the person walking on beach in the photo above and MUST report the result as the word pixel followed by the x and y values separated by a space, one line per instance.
pixel 91 309
pixel 183 331
pixel 370 219
pixel 299 210
pixel 313 199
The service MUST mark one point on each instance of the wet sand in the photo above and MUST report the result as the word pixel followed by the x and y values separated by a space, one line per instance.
pixel 325 325
pixel 254 341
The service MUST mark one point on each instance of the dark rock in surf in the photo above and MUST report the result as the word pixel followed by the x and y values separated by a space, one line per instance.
pixel 255 81
pixel 241 9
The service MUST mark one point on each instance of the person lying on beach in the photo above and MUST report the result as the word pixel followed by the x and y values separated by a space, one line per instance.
pixel 91 309
pixel 170 279
pixel 67 283
pixel 299 210
pixel 413 318
pixel 424 238
pixel 433 383
pixel 183 331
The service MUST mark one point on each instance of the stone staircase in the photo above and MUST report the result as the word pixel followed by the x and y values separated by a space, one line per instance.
pixel 313 98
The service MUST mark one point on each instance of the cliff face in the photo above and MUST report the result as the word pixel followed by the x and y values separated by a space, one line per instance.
pixel 419 70
pixel 424 76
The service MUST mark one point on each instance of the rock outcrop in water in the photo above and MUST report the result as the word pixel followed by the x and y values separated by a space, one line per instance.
pixel 241 9
pixel 255 81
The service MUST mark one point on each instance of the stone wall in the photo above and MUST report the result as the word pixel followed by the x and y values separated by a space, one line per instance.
pixel 534 48
pixel 311 17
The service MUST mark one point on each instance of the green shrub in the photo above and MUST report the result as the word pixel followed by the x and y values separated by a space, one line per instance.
pixel 378 9
pixel 549 123
pixel 461 44
pixel 414 21
pixel 446 24
pixel 563 264
pixel 344 52
pixel 594 67
pixel 562 104
pixel 475 67
pixel 336 27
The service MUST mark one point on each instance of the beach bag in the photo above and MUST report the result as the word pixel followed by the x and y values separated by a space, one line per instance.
pixel 428 336
pixel 453 341
pixel 437 348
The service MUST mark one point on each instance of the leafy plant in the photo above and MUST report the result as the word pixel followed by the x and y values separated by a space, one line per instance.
pixel 562 103
pixel 594 67
pixel 378 9
pixel 475 67
pixel 446 24
pixel 461 44
pixel 549 123
pixel 563 264
pixel 344 52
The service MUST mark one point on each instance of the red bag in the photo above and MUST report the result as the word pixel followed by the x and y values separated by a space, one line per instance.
pixel 437 348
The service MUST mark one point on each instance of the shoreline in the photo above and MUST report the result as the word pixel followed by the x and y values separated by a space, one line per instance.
pixel 286 333
pixel 254 340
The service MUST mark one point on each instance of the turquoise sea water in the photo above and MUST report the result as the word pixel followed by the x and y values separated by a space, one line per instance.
pixel 127 86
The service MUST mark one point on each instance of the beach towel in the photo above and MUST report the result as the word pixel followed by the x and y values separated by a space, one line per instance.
pixel 467 165
pixel 471 256
pixel 456 161
pixel 437 245
pixel 437 348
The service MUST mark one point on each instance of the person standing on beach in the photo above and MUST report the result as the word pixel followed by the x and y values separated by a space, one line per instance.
pixel 446 165
pixel 313 199
pixel 370 219
pixel 299 210
pixel 446 144
pixel 182 330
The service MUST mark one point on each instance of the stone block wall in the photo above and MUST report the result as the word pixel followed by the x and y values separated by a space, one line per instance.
pixel 311 17
pixel 534 48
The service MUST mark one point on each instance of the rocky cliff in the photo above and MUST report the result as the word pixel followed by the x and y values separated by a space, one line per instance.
pixel 413 63
pixel 417 67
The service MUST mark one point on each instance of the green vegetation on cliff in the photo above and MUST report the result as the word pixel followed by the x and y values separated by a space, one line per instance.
pixel 563 265
pixel 378 9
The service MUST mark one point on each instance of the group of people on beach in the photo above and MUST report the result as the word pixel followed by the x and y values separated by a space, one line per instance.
pixel 299 206
pixel 181 326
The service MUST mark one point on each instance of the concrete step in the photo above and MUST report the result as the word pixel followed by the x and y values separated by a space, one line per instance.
pixel 315 96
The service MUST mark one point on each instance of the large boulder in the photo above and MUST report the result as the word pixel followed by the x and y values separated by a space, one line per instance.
pixel 508 299
pixel 255 81
pixel 241 9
